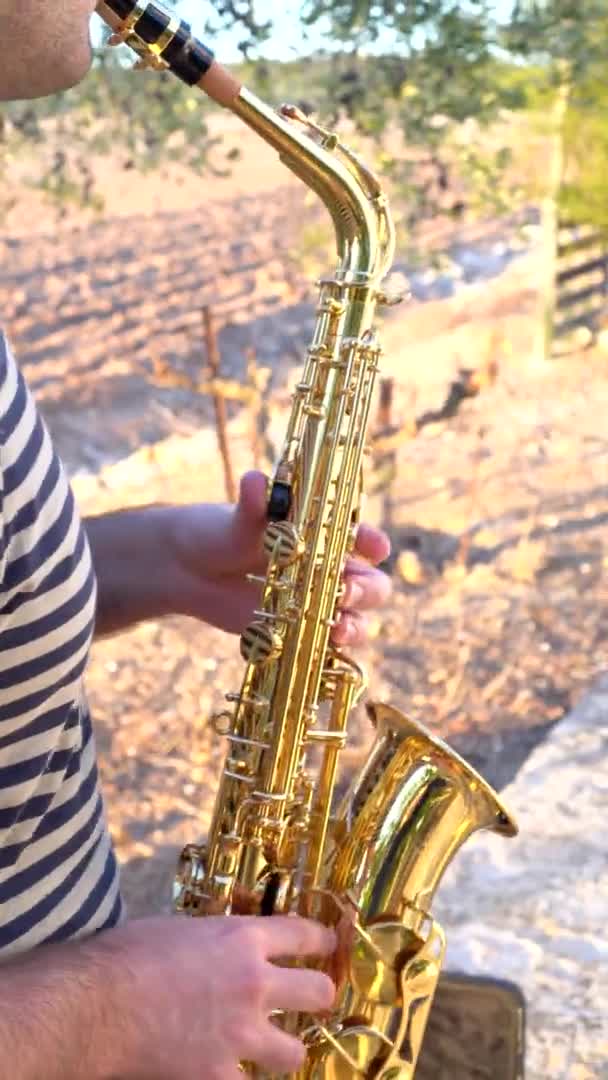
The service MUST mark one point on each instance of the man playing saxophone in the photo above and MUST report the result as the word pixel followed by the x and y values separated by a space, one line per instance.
pixel 85 995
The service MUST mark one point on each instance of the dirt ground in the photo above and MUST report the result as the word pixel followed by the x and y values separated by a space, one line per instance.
pixel 498 620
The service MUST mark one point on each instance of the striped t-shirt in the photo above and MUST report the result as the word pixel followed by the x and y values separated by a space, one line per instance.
pixel 58 874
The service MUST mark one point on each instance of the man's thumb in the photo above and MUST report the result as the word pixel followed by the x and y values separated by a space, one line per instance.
pixel 251 508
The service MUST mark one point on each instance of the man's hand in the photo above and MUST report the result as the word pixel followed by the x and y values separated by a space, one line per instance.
pixel 194 560
pixel 215 547
pixel 205 988
pixel 162 999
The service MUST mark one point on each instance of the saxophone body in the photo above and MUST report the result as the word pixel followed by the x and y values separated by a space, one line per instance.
pixel 279 841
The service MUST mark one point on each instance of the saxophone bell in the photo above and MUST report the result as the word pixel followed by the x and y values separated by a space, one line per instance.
pixel 414 804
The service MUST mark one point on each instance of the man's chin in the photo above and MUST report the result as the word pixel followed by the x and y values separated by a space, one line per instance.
pixel 44 59
pixel 78 74
pixel 68 72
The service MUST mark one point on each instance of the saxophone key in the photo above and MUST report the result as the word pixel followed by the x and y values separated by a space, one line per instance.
pixel 391 959
pixel 348 1050
pixel 261 644
pixel 283 542
pixel 279 501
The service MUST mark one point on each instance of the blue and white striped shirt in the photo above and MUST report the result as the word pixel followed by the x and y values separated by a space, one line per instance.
pixel 58 874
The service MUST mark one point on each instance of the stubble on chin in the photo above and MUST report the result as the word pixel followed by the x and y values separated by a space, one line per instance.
pixel 71 56
pixel 43 59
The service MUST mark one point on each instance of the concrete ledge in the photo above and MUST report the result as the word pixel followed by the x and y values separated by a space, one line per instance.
pixel 535 909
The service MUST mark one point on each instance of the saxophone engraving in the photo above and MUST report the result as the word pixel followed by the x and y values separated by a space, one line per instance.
pixel 278 842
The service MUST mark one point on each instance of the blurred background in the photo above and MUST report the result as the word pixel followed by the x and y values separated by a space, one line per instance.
pixel 157 281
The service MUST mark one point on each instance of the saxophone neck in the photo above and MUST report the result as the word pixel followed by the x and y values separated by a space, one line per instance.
pixel 349 189
pixel 351 193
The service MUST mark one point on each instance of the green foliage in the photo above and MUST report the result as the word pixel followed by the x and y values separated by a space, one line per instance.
pixel 567 35
pixel 238 15
pixel 146 119
pixel 429 82
pixel 441 88
pixel 570 39
pixel 584 192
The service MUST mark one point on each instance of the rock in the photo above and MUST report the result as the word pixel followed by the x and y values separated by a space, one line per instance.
pixel 534 909
pixel 411 568
pixel 525 561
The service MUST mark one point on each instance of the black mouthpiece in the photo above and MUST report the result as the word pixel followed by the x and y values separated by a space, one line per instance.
pixel 164 36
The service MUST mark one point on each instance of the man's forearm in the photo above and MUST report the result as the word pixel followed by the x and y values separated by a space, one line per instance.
pixel 129 551
pixel 60 1016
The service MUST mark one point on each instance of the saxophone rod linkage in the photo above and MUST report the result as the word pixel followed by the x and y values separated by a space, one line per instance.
pixel 172 42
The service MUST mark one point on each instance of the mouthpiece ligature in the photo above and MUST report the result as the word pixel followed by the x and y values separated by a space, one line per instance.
pixel 160 39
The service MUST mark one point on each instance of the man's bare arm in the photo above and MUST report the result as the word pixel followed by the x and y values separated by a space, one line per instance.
pixel 131 555
pixel 161 999
pixel 60 1015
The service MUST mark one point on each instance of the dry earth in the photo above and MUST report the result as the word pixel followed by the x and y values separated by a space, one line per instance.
pixel 497 516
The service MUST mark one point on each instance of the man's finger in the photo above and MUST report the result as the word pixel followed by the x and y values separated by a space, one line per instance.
pixel 300 990
pixel 365 588
pixel 252 496
pixel 277 1052
pixel 372 544
pixel 293 936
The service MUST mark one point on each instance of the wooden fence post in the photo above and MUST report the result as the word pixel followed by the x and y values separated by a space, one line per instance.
pixel 219 403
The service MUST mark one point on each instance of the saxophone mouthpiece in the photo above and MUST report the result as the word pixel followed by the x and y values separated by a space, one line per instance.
pixel 163 41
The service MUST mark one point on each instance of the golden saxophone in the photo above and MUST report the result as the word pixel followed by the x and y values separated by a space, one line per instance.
pixel 278 842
